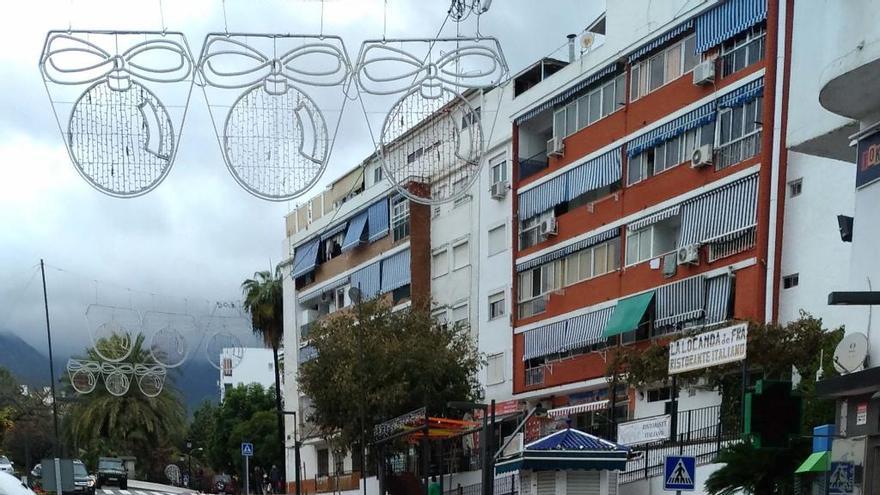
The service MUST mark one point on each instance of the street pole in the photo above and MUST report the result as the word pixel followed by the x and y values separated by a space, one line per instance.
pixel 484 449
pixel 490 449
pixel 247 478
pixel 51 362
pixel 296 459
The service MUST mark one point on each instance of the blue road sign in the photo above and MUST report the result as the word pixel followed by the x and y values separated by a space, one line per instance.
pixel 247 449
pixel 842 478
pixel 680 473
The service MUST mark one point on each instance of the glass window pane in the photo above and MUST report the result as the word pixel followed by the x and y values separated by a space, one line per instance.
pixel 673 152
pixel 645 244
pixel 632 248
pixel 691 58
pixel 673 63
pixel 586 264
pixel 583 104
pixel 619 91
pixel 571 269
pixel 725 127
pixel 600 259
pixel 659 158
pixel 690 138
pixel 749 117
pixel 571 118
pixel 759 106
pixel 525 286
pixel 643 80
pixel 633 169
pixel 595 105
pixel 634 83
pixel 707 133
pixel 739 59
pixel 657 68
pixel 608 98
pixel 559 123
pixel 736 123
pixel 614 254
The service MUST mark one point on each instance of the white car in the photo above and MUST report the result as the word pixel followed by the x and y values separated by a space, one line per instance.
pixel 6 465
pixel 10 485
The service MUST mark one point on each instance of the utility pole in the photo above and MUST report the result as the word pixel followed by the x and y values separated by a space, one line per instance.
pixel 51 363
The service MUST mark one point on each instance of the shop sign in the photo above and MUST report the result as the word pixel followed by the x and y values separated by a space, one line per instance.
pixel 645 430
pixel 502 409
pixel 868 160
pixel 712 348
pixel 862 414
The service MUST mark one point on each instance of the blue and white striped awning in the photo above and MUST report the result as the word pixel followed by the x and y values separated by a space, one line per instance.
pixel 545 340
pixel 571 248
pixel 569 93
pixel 742 94
pixel 718 298
pixel 395 271
pixel 305 258
pixel 543 197
pixel 727 20
pixel 720 212
pixel 333 231
pixel 377 225
pixel 355 233
pixel 659 41
pixel 593 174
pixel 652 219
pixel 587 329
pixel 307 353
pixel 368 280
pixel 313 294
pixel 680 301
pixel 691 120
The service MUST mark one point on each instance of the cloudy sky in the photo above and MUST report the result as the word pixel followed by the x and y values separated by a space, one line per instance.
pixel 198 235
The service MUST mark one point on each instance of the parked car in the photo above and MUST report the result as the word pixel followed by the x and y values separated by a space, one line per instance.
pixel 111 470
pixel 6 465
pixel 223 484
pixel 10 485
pixel 83 483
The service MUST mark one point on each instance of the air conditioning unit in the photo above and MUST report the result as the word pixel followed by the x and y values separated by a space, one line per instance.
pixel 548 227
pixel 499 189
pixel 555 146
pixel 704 73
pixel 689 255
pixel 670 264
pixel 702 156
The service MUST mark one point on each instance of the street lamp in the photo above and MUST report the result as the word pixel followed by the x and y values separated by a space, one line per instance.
pixel 295 449
pixel 487 461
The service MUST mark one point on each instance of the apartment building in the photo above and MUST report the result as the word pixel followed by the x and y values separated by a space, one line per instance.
pixel 246 366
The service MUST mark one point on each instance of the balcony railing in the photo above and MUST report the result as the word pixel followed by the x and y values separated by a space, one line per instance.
pixel 533 306
pixel 533 164
pixel 737 151
pixel 338 482
pixel 503 486
pixel 534 376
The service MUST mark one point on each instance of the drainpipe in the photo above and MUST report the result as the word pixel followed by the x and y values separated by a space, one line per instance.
pixel 571 38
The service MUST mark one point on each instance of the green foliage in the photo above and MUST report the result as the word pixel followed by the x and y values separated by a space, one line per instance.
pixel 758 471
pixel 383 364
pixel 25 422
pixel 247 414
pixel 263 300
pixel 102 424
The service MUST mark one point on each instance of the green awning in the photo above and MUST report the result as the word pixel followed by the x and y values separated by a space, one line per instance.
pixel 816 463
pixel 627 314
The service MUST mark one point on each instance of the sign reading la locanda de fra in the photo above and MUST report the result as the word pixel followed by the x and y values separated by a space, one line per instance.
pixel 868 160
pixel 725 345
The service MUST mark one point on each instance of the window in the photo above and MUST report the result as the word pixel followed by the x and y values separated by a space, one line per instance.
pixel 331 247
pixel 468 118
pixel 495 369
pixel 440 317
pixel 638 246
pixel 496 305
pixel 340 298
pixel 528 231
pixel 323 462
pixel 592 262
pixel 498 166
pixel 659 394
pixel 739 133
pixel 497 239
pixel 377 174
pixel 790 281
pixel 227 366
pixel 401 293
pixel 662 68
pixel 589 108
pixel 338 462
pixel 666 155
pixel 460 316
pixel 458 187
pixel 400 218
pixel 461 255
pixel 534 284
pixel 439 263
pixel 652 241
pixel 743 51
pixel 795 188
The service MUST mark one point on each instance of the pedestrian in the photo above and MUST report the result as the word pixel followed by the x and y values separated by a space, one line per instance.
pixel 434 487
pixel 275 479
pixel 258 480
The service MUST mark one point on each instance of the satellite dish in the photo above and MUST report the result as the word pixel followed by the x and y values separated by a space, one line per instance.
pixel 850 354
pixel 355 294
pixel 587 41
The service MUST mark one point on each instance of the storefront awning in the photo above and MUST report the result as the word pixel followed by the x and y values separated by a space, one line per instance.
pixel 567 449
pixel 628 314
pixel 816 463
pixel 578 408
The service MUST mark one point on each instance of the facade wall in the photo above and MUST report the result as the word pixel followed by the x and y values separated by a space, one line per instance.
pixel 256 366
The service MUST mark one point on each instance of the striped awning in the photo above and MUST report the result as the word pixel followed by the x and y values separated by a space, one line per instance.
pixel 587 329
pixel 545 340
pixel 333 231
pixel 717 213
pixel 718 298
pixel 377 223
pixel 593 174
pixel 368 280
pixel 659 41
pixel 742 94
pixel 578 408
pixel 307 353
pixel 543 197
pixel 571 248
pixel 395 271
pixel 305 258
pixel 355 233
pixel 569 93
pixel 680 301
pixel 652 219
pixel 312 295
pixel 691 120
pixel 727 20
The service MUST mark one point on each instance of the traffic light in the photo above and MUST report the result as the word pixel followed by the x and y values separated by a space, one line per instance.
pixel 772 414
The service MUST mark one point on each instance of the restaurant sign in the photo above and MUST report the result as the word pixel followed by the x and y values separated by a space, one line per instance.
pixel 868 160
pixel 722 346
pixel 645 430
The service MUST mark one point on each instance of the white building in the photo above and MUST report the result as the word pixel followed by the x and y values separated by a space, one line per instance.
pixel 246 366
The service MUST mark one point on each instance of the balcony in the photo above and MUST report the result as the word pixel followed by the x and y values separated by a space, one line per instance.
pixel 535 376
pixel 534 306
pixel 533 164
pixel 338 482
pixel 737 151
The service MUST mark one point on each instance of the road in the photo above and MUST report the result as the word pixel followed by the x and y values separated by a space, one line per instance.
pixel 117 491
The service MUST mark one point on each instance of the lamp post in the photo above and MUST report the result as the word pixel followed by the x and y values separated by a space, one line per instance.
pixel 295 450
pixel 486 461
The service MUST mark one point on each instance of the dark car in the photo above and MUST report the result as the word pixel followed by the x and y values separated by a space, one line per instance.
pixel 83 483
pixel 223 484
pixel 112 471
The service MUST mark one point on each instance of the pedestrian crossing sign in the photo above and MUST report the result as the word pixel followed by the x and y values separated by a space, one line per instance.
pixel 842 478
pixel 680 473
pixel 247 449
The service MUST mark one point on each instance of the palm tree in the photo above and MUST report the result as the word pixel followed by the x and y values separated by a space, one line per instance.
pixel 263 300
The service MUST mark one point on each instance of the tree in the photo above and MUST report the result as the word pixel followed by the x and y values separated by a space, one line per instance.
pixel 25 422
pixel 100 423
pixel 246 415
pixel 263 298
pixel 751 470
pixel 381 364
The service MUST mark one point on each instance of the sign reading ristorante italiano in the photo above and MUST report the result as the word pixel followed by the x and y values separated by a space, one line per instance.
pixel 725 345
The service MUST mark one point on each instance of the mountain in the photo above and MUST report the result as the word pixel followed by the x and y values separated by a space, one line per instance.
pixel 196 379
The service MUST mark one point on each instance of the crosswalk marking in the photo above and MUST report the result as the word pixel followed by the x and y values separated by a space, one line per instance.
pixel 106 491
pixel 124 492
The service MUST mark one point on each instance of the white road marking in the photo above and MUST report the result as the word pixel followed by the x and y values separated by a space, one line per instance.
pixel 124 492
pixel 108 492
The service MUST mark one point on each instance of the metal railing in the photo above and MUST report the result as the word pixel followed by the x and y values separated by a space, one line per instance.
pixel 739 150
pixel 506 485
pixel 338 482
pixel 533 164
pixel 534 376
pixel 533 306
